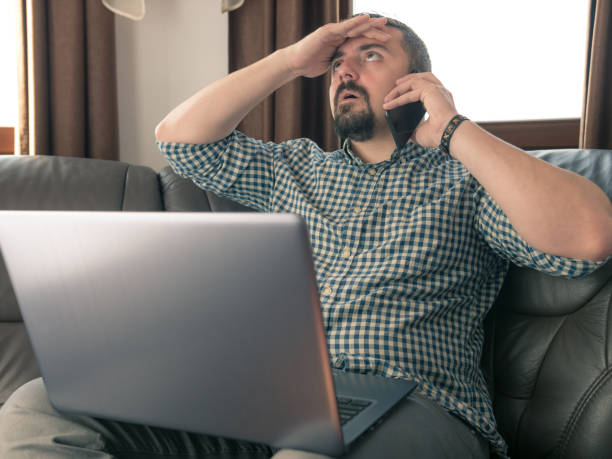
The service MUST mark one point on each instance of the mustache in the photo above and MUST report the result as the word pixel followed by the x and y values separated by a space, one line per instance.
pixel 351 86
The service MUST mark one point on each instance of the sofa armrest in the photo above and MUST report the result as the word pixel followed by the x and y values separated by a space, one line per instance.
pixel 548 343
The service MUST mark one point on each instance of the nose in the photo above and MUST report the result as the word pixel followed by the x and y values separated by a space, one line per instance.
pixel 347 71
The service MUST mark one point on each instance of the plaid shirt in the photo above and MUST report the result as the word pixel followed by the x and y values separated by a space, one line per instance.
pixel 409 255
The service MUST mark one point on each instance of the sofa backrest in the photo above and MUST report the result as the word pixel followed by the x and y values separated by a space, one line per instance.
pixel 61 183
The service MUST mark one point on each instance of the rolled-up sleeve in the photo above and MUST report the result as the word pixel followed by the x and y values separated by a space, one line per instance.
pixel 496 229
pixel 236 167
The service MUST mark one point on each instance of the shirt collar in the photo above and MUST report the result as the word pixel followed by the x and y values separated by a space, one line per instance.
pixel 346 147
pixel 395 156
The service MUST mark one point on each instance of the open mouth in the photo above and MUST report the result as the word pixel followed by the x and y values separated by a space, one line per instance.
pixel 348 96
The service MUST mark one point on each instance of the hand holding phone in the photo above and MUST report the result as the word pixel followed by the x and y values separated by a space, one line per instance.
pixel 403 120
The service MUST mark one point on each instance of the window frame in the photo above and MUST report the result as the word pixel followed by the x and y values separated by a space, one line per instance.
pixel 7 140
pixel 537 134
pixel 528 135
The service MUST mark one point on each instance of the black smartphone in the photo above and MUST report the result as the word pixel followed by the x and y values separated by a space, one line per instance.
pixel 403 120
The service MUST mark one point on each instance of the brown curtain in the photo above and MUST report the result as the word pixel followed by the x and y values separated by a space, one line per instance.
pixel 300 108
pixel 67 79
pixel 596 122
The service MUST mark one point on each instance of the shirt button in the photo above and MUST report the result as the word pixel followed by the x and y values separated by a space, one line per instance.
pixel 327 291
pixel 372 171
pixel 357 210
pixel 346 253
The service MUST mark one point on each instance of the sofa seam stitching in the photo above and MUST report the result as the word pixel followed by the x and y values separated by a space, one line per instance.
pixel 589 394
pixel 123 191
pixel 160 187
pixel 583 403
pixel 607 333
pixel 581 406
pixel 537 378
pixel 205 193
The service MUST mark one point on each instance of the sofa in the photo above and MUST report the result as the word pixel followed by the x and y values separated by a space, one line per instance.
pixel 548 340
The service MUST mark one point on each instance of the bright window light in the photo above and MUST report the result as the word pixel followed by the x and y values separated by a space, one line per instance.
pixel 519 60
pixel 8 64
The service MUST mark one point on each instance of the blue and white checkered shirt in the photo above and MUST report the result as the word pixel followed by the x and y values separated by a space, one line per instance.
pixel 409 254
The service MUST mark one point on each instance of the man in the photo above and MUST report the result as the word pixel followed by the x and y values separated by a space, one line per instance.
pixel 410 246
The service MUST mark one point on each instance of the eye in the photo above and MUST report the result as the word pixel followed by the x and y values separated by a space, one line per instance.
pixel 372 56
pixel 335 65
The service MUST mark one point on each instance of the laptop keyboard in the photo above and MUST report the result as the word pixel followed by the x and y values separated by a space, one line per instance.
pixel 348 408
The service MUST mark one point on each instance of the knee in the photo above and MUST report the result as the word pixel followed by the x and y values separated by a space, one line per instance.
pixel 29 423
pixel 23 411
pixel 23 419
pixel 32 397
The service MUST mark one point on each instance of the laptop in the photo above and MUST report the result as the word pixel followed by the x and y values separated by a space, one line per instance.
pixel 203 322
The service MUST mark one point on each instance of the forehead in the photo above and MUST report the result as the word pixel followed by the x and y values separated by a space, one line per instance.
pixel 393 46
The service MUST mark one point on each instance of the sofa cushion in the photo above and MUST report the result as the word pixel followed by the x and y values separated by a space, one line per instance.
pixel 182 195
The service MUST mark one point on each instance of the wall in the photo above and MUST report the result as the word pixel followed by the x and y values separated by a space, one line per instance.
pixel 179 47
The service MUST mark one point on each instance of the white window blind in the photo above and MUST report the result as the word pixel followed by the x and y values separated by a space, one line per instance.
pixel 519 60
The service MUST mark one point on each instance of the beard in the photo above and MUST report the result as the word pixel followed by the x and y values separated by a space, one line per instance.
pixel 351 124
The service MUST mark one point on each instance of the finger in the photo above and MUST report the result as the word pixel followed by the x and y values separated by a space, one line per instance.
pixel 358 30
pixel 377 34
pixel 403 99
pixel 373 25
pixel 404 87
pixel 345 26
pixel 396 92
pixel 427 76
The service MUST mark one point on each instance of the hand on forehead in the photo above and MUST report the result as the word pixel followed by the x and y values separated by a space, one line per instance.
pixel 365 26
pixel 310 57
pixel 373 28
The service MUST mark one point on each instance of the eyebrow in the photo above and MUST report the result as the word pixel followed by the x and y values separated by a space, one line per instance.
pixel 338 54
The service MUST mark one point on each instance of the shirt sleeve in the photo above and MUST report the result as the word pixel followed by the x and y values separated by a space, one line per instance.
pixel 496 229
pixel 237 167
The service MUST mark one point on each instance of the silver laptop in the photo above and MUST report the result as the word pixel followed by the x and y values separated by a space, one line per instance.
pixel 203 322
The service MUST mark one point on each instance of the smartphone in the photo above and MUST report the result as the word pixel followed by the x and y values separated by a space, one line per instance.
pixel 403 120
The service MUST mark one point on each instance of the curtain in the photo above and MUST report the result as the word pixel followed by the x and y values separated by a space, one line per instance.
pixel 300 108
pixel 66 79
pixel 596 122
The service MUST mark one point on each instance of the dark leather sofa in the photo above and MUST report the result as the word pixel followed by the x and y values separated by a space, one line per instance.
pixel 548 340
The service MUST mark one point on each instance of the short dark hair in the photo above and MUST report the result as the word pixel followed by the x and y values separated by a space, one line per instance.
pixel 412 44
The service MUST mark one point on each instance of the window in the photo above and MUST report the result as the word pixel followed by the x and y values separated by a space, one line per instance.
pixel 515 67
pixel 8 75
